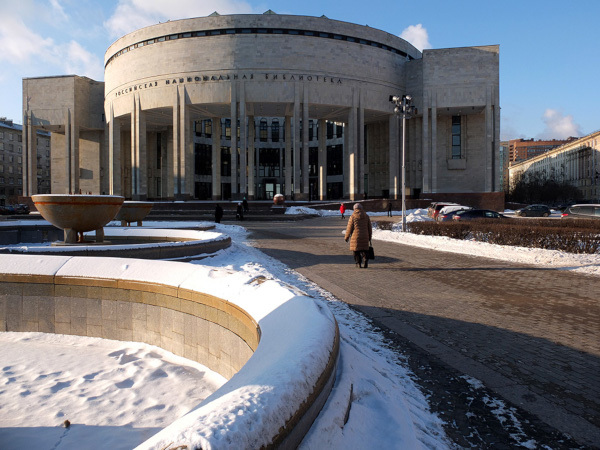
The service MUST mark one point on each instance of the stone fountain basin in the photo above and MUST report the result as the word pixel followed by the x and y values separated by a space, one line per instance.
pixel 134 211
pixel 78 212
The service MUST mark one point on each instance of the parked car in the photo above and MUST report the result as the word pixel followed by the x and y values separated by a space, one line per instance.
pixel 591 211
pixel 7 210
pixel 534 211
pixel 435 207
pixel 474 214
pixel 21 208
pixel 447 212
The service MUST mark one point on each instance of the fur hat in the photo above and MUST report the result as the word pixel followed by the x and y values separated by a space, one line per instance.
pixel 358 206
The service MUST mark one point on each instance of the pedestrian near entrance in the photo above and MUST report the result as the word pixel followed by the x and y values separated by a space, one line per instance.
pixel 359 232
pixel 218 214
pixel 389 209
pixel 342 210
pixel 239 214
pixel 245 205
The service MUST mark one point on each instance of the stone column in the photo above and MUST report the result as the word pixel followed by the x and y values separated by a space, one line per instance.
pixel 73 152
pixel 489 138
pixel 426 147
pixel 243 143
pixel 305 144
pixel 322 159
pixel 30 174
pixel 176 169
pixel 234 143
pixel 251 158
pixel 361 150
pixel 186 149
pixel 132 149
pixel 352 156
pixel 216 158
pixel 394 155
pixel 139 164
pixel 498 164
pixel 434 183
pixel 297 163
pixel 288 156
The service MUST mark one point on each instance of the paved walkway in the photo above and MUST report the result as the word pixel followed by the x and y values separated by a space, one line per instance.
pixel 531 335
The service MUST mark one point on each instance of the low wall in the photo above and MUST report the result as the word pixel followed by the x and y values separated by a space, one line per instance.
pixel 260 335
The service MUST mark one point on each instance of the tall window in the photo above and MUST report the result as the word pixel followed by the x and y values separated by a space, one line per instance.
pixel 203 159
pixel 207 127
pixel 225 161
pixel 263 131
pixel 456 150
pixel 329 130
pixel 275 130
pixel 335 159
pixel 227 128
pixel 311 132
pixel 313 161
pixel 269 162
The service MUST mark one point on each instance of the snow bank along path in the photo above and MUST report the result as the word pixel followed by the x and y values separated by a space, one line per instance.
pixel 277 348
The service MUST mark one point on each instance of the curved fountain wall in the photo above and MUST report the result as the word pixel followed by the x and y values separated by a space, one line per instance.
pixel 255 332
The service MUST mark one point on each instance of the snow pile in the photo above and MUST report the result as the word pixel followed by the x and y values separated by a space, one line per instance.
pixel 297 335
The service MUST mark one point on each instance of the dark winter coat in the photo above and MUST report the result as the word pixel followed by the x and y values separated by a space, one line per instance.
pixel 359 230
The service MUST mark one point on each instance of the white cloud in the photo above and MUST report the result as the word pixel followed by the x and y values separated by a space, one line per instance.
pixel 22 47
pixel 58 10
pixel 559 126
pixel 81 62
pixel 133 14
pixel 18 42
pixel 417 35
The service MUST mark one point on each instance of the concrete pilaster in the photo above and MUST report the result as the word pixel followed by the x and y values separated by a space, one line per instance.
pixel 114 154
pixel 30 173
pixel 73 151
pixel 174 179
pixel 434 163
pixel 243 143
pixel 360 138
pixel 352 154
pixel 297 164
pixel 288 156
pixel 186 148
pixel 216 158
pixel 426 147
pixel 322 159
pixel 305 152
pixel 234 141
pixel 251 159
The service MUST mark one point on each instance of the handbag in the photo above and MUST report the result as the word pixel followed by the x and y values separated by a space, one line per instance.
pixel 371 254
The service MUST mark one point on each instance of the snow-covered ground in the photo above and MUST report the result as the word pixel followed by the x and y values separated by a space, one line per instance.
pixel 117 394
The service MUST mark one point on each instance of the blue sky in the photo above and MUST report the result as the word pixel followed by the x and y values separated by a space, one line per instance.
pixel 549 50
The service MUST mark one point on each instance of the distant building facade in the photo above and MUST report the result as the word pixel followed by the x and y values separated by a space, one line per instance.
pixel 522 149
pixel 12 165
pixel 225 107
pixel 576 162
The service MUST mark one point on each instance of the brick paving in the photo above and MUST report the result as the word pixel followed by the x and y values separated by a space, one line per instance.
pixel 531 335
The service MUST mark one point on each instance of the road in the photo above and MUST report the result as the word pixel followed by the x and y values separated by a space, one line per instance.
pixel 531 335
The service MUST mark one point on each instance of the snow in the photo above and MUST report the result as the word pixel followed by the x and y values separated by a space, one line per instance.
pixel 117 394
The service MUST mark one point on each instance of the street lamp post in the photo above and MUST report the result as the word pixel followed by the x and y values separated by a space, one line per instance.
pixel 405 109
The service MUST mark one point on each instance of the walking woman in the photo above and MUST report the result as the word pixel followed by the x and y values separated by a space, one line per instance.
pixel 359 233
pixel 342 210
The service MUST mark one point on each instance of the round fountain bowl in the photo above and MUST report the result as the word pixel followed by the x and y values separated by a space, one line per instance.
pixel 78 212
pixel 134 211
